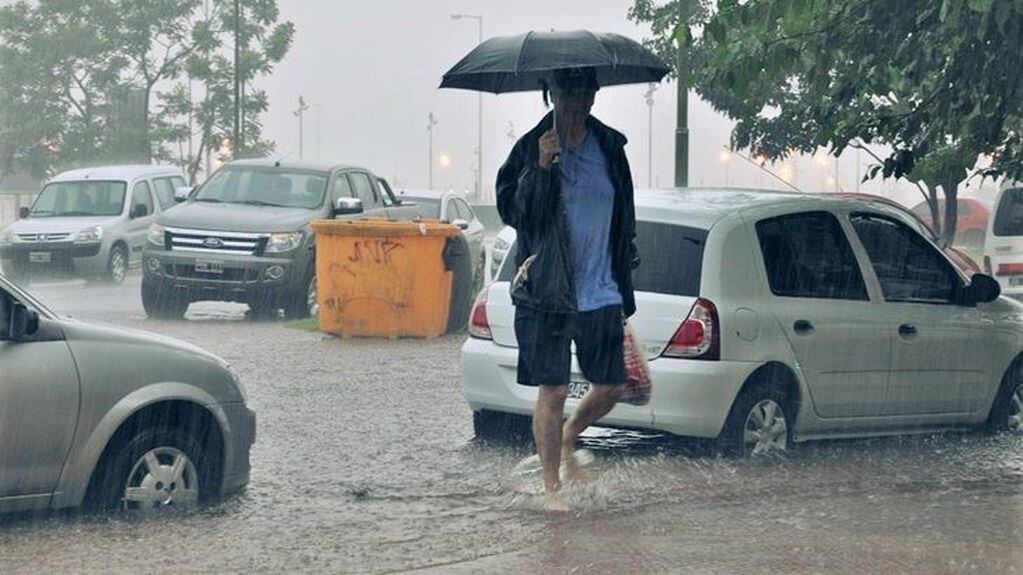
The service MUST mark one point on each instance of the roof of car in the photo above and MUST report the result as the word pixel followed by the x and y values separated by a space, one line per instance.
pixel 120 172
pixel 297 164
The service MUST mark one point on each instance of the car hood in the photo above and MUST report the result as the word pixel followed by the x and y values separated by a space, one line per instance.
pixel 237 217
pixel 59 225
pixel 78 330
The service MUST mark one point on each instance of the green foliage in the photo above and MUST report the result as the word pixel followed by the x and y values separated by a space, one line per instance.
pixel 89 81
pixel 935 81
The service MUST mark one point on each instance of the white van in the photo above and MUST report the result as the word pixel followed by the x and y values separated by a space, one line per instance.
pixel 89 222
pixel 1003 246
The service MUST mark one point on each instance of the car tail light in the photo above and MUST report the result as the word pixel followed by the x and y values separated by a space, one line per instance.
pixel 1010 269
pixel 479 326
pixel 699 335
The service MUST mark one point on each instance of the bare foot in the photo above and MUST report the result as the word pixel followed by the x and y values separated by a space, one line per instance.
pixel 573 464
pixel 554 502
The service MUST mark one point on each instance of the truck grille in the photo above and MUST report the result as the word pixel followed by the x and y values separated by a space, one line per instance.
pixel 44 237
pixel 209 241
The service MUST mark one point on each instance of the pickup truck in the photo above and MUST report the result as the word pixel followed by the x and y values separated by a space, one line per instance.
pixel 245 235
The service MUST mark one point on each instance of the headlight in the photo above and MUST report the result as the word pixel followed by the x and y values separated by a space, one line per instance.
pixel 6 238
pixel 93 234
pixel 156 234
pixel 283 242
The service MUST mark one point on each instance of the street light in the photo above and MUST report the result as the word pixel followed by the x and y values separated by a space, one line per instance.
pixel 479 103
pixel 302 107
pixel 650 133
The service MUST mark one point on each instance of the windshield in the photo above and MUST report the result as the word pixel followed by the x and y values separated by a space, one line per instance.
pixel 428 207
pixel 86 198
pixel 267 186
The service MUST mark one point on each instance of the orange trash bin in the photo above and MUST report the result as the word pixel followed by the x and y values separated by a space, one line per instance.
pixel 383 278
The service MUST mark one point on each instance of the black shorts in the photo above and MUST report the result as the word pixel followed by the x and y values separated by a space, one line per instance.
pixel 545 353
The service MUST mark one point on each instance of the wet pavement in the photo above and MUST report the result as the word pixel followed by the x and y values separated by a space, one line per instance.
pixel 365 462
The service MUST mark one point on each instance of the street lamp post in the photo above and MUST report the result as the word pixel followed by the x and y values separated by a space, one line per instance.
pixel 650 133
pixel 302 107
pixel 431 122
pixel 479 105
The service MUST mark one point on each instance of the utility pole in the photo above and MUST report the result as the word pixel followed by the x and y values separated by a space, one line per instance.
pixel 650 133
pixel 302 107
pixel 237 144
pixel 430 123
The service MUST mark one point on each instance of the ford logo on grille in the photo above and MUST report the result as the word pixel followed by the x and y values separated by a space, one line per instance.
pixel 213 243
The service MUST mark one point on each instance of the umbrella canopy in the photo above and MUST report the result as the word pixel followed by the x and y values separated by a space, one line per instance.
pixel 520 63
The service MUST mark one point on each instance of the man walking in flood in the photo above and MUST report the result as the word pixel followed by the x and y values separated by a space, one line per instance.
pixel 567 190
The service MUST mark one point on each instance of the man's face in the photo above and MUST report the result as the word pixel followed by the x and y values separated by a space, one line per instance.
pixel 573 103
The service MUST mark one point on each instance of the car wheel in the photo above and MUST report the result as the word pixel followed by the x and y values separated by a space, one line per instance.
pixel 158 468
pixel 759 423
pixel 117 265
pixel 303 303
pixel 1007 411
pixel 162 303
pixel 494 425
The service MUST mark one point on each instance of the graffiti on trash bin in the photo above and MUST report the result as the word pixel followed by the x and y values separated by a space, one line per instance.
pixel 373 251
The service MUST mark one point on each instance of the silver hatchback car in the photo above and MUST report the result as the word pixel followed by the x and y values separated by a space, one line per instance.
pixel 112 417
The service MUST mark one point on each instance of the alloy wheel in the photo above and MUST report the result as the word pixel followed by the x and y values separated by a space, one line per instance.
pixel 765 430
pixel 164 476
pixel 1014 420
pixel 118 266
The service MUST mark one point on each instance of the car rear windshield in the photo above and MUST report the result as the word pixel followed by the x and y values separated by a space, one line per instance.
pixel 1009 217
pixel 671 258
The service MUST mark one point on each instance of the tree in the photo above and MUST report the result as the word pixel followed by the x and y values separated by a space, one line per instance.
pixel 86 81
pixel 934 81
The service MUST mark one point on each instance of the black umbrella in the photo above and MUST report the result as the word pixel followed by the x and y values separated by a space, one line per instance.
pixel 521 63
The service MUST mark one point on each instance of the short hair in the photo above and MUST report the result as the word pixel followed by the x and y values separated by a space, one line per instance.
pixel 564 78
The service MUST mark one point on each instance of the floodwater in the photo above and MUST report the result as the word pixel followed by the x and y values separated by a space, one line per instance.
pixel 365 462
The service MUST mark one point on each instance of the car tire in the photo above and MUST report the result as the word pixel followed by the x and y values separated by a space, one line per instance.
pixel 161 303
pixel 759 423
pixel 127 480
pixel 1007 411
pixel 117 265
pixel 494 425
pixel 302 303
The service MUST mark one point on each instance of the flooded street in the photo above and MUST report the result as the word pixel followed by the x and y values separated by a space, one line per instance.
pixel 365 462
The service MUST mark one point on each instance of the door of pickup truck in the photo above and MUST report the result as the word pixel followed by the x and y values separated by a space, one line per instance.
pixel 359 184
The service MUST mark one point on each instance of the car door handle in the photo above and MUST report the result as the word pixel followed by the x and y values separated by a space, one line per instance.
pixel 802 327
pixel 906 330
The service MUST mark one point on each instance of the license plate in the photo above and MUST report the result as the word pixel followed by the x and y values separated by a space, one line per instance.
pixel 209 266
pixel 577 389
pixel 1016 281
pixel 40 257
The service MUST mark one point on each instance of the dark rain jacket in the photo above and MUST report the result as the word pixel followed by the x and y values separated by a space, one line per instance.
pixel 529 200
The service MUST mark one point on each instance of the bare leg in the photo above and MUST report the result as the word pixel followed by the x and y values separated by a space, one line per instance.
pixel 599 400
pixel 550 404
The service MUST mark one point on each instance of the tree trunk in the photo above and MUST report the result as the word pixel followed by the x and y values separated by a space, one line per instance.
pixel 951 189
pixel 932 203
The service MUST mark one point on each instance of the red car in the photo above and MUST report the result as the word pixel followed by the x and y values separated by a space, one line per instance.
pixel 971 219
pixel 959 258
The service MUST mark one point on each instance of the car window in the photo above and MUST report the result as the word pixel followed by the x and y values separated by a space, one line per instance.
pixel 342 188
pixel 164 191
pixel 1009 216
pixel 908 267
pixel 428 207
pixel 178 182
pixel 140 194
pixel 265 186
pixel 364 189
pixel 807 255
pixel 671 259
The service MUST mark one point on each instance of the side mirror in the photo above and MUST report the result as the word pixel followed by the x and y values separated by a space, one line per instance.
pixel 23 212
pixel 139 211
pixel 983 289
pixel 462 224
pixel 181 194
pixel 347 206
pixel 23 322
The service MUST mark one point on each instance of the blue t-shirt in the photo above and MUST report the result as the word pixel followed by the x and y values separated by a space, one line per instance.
pixel 589 203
